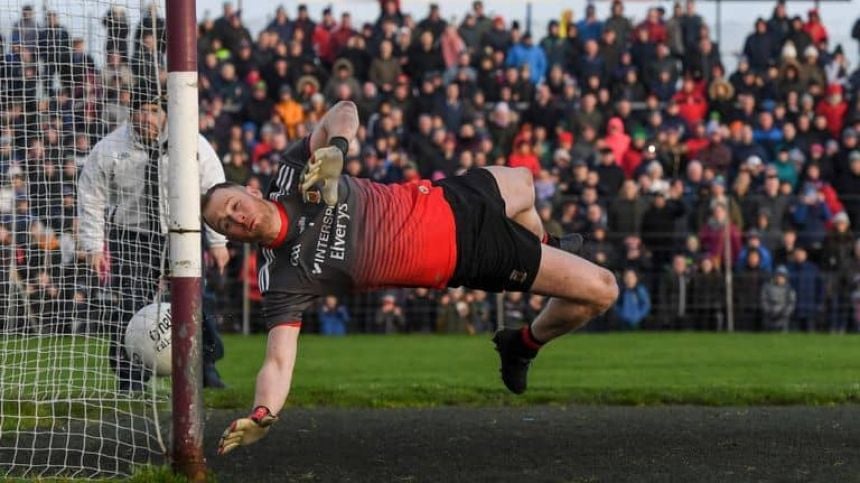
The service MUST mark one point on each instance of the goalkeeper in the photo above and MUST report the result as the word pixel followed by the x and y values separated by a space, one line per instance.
pixel 321 231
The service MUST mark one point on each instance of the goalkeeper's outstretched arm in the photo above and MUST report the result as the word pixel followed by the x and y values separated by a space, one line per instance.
pixel 273 387
pixel 329 145
pixel 341 121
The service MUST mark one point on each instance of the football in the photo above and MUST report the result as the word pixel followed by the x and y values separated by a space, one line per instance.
pixel 147 338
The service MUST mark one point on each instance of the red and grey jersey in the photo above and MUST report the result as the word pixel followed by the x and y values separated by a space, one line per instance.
pixel 375 236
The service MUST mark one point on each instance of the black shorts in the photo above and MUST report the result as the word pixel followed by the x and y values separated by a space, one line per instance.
pixel 494 253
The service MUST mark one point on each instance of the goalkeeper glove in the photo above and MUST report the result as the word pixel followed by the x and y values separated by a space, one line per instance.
pixel 245 431
pixel 325 167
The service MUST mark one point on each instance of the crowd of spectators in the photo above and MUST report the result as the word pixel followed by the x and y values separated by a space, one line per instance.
pixel 677 171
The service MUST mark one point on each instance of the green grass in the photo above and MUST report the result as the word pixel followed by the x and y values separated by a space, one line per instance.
pixel 427 371
pixel 626 369
pixel 141 474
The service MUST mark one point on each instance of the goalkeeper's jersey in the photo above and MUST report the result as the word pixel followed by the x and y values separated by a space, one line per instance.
pixel 375 236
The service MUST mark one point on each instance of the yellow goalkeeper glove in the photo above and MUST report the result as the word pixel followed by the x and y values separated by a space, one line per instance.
pixel 245 431
pixel 325 167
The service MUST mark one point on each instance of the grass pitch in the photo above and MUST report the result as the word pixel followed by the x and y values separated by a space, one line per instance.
pixel 622 369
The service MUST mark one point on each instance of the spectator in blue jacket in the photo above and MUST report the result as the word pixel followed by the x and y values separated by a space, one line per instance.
pixel 634 303
pixel 759 47
pixel 810 215
pixel 590 28
pixel 754 244
pixel 527 53
pixel 767 134
pixel 333 317
pixel 806 280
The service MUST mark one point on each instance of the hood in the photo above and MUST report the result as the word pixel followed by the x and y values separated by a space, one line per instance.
pixel 616 123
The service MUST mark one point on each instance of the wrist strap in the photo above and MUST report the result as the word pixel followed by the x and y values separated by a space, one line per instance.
pixel 341 143
pixel 260 413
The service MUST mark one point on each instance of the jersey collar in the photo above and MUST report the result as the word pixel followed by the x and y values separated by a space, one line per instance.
pixel 285 225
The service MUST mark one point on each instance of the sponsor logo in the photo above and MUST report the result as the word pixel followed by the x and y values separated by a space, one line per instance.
pixel 518 276
pixel 295 254
pixel 313 197
pixel 423 190
pixel 332 240
pixel 338 249
pixel 160 334
pixel 321 249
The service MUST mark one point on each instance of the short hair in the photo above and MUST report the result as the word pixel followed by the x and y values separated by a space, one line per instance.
pixel 207 197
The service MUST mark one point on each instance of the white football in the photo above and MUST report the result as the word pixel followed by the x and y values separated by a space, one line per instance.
pixel 148 336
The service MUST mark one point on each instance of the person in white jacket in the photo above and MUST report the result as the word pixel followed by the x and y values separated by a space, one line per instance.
pixel 122 210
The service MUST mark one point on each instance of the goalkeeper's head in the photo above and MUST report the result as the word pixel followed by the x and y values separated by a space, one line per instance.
pixel 148 112
pixel 241 214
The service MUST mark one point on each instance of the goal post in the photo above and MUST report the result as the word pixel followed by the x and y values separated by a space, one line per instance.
pixel 185 239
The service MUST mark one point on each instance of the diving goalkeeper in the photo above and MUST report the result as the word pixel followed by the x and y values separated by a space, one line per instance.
pixel 321 231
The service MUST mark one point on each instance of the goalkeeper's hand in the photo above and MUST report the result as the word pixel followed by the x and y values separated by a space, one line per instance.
pixel 245 431
pixel 325 166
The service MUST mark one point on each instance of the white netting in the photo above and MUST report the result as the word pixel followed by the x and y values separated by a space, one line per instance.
pixel 68 73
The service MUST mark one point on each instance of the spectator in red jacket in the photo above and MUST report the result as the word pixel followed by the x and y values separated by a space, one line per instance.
pixel 655 28
pixel 693 105
pixel 712 235
pixel 323 40
pixel 616 139
pixel 696 143
pixel 340 36
pixel 833 108
pixel 815 28
pixel 633 157
pixel 524 156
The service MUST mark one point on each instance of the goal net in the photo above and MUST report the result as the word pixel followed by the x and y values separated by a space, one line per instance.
pixel 71 404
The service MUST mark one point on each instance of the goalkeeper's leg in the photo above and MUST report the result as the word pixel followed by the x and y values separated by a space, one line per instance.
pixel 579 291
pixel 516 186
